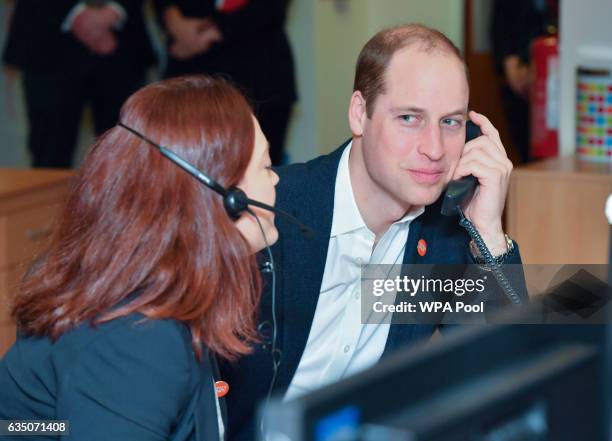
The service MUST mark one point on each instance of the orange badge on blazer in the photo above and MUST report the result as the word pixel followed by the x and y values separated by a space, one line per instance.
pixel 422 247
pixel 222 388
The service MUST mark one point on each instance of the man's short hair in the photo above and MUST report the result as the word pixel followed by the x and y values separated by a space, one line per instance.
pixel 377 53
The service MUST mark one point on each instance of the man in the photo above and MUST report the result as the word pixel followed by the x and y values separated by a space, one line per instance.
pixel 72 53
pixel 372 201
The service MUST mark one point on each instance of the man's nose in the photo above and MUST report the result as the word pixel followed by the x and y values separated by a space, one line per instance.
pixel 431 144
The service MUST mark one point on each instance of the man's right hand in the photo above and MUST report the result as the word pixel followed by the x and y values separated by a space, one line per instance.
pixel 93 28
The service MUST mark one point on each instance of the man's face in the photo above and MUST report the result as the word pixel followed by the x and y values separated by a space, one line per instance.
pixel 414 139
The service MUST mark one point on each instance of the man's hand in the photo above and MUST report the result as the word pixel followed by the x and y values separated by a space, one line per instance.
pixel 517 75
pixel 192 36
pixel 93 28
pixel 196 44
pixel 486 159
pixel 107 44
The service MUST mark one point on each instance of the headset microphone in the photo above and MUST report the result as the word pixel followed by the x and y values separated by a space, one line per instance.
pixel 235 200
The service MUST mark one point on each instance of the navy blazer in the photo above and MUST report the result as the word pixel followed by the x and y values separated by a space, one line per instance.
pixel 307 191
pixel 128 379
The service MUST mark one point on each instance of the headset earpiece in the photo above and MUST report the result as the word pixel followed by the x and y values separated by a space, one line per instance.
pixel 235 202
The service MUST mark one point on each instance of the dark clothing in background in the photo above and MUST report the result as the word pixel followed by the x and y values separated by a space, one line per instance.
pixel 61 76
pixel 255 54
pixel 516 110
pixel 515 24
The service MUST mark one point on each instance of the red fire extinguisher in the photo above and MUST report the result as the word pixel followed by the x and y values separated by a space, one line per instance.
pixel 544 97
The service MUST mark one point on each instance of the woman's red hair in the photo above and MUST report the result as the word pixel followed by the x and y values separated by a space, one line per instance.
pixel 135 223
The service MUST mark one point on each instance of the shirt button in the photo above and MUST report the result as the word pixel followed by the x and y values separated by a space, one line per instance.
pixel 357 294
pixel 358 260
pixel 347 348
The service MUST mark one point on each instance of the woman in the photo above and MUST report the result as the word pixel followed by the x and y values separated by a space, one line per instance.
pixel 147 278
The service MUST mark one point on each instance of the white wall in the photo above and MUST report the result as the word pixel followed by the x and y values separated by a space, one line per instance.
pixel 301 139
pixel 584 22
pixel 339 37
pixel 445 15
pixel 13 124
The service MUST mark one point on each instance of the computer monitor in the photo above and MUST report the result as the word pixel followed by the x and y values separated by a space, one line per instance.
pixel 491 383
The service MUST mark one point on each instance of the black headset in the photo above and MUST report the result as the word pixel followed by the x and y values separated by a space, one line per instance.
pixel 235 200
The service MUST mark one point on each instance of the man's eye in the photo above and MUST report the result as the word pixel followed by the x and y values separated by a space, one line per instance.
pixel 409 118
pixel 450 122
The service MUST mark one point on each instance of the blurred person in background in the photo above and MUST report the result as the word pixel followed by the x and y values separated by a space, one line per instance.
pixel 244 40
pixel 514 26
pixel 72 53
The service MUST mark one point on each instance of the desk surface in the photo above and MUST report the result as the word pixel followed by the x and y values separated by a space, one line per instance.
pixel 555 211
pixel 17 181
pixel 567 165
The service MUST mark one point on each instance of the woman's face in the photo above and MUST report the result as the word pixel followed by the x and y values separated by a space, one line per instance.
pixel 258 183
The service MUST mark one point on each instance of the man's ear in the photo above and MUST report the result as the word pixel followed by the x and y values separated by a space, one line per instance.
pixel 357 113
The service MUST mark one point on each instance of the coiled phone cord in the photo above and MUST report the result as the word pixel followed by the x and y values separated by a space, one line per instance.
pixel 489 259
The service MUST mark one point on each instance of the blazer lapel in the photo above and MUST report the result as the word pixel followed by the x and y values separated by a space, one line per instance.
pixel 303 262
pixel 206 419
pixel 402 334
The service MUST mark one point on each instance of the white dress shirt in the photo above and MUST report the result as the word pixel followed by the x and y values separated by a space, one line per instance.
pixel 219 417
pixel 338 344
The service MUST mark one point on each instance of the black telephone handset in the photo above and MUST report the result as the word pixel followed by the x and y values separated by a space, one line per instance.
pixel 458 194
pixel 460 191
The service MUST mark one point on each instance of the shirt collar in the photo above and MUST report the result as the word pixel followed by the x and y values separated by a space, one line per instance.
pixel 346 216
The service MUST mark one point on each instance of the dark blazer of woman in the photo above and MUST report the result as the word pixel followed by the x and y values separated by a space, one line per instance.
pixel 128 379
